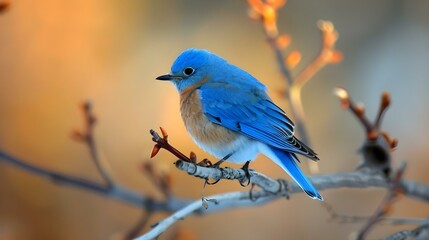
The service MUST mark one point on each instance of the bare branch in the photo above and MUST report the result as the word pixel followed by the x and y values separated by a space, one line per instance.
pixel 266 12
pixel 419 233
pixel 259 179
pixel 87 136
pixel 386 205
pixel 116 191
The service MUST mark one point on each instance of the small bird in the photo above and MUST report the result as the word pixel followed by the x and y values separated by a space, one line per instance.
pixel 228 114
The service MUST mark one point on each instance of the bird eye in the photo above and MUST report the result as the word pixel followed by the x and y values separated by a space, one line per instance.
pixel 188 71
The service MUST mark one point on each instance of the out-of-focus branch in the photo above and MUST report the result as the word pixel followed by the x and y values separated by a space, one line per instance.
pixel 110 188
pixel 327 55
pixel 419 233
pixel 136 229
pixel 266 12
pixel 4 6
pixel 386 205
pixel 341 218
pixel 87 136
pixel 378 145
pixel 116 192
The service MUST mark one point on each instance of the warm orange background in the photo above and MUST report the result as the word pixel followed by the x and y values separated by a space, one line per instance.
pixel 54 54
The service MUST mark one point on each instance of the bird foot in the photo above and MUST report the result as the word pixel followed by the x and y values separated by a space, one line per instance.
pixel 246 170
pixel 251 197
pixel 218 163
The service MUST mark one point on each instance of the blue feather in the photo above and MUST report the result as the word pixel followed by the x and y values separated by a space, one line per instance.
pixel 288 163
pixel 251 113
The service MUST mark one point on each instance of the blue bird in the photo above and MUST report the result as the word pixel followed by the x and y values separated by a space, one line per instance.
pixel 228 114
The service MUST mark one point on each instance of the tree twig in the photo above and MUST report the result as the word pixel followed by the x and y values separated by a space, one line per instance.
pixel 116 191
pixel 266 12
pixel 87 136
pixel 386 205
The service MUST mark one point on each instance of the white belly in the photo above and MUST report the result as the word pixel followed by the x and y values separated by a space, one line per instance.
pixel 243 149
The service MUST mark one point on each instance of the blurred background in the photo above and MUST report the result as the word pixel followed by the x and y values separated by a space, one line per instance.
pixel 55 54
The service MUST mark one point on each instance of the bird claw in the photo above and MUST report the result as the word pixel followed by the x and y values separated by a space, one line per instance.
pixel 253 199
pixel 218 163
pixel 217 180
pixel 212 183
pixel 205 163
pixel 246 170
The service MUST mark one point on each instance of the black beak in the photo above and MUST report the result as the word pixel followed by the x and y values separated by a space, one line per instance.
pixel 165 77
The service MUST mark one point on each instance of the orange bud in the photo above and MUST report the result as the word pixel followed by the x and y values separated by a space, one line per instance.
pixel 164 133
pixel 257 5
pixel 193 157
pixel 253 14
pixel 276 3
pixel 283 41
pixel 270 17
pixel 385 100
pixel 325 26
pixel 343 95
pixel 360 109
pixel 77 135
pixel 293 59
pixel 336 57
pixel 4 6
pixel 155 150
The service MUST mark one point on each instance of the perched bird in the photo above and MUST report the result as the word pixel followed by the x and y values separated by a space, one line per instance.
pixel 228 114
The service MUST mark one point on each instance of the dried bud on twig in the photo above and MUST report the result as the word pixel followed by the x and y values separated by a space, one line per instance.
pixel 378 145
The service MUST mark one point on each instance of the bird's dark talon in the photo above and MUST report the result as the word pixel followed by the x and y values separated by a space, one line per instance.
pixel 212 183
pixel 205 163
pixel 253 199
pixel 246 170
pixel 217 180
pixel 218 163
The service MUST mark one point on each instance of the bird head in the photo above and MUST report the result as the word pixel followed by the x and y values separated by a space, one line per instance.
pixel 191 67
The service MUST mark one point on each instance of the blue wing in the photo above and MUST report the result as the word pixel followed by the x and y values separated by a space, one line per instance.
pixel 244 107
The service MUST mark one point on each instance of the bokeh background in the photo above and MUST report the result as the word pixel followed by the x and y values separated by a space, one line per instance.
pixel 55 54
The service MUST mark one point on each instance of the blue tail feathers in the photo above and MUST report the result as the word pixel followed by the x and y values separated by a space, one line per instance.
pixel 288 161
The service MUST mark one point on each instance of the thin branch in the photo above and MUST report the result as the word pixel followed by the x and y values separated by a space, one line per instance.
pixel 136 229
pixel 327 54
pixel 386 205
pixel 116 192
pixel 378 145
pixel 161 180
pixel 341 218
pixel 87 136
pixel 357 110
pixel 384 104
pixel 266 12
pixel 259 179
pixel 419 233
pixel 162 142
